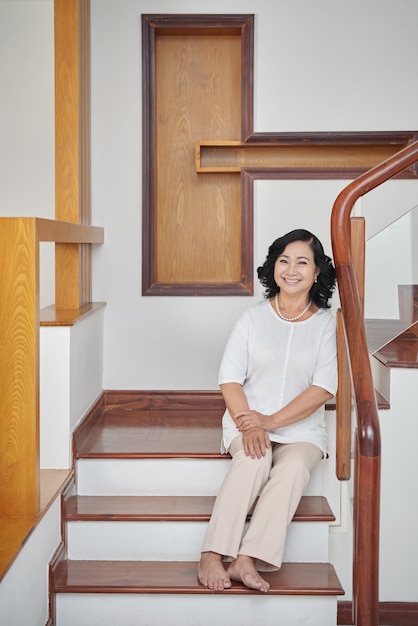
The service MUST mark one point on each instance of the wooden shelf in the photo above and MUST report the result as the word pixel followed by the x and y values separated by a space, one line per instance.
pixel 51 316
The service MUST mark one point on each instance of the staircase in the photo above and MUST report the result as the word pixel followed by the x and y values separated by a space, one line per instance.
pixel 146 474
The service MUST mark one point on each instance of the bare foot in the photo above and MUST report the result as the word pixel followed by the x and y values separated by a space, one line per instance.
pixel 211 572
pixel 244 570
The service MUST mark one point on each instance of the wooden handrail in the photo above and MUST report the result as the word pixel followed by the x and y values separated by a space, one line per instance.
pixel 368 446
pixel 344 395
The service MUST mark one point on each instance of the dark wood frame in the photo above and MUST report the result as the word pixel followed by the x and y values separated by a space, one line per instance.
pixel 354 143
pixel 151 25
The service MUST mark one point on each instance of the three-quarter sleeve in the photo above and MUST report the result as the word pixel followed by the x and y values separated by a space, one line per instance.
pixel 234 364
pixel 325 373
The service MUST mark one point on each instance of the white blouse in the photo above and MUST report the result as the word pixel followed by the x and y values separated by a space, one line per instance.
pixel 275 361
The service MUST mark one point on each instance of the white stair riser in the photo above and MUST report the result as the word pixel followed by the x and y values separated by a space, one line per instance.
pixel 176 541
pixel 194 610
pixel 203 477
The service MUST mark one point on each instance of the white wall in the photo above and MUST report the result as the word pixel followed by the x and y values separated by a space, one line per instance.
pixel 316 69
pixel 71 380
pixel 399 511
pixel 307 54
pixel 27 119
pixel 24 588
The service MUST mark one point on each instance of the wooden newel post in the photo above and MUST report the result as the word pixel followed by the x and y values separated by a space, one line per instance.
pixel 19 354
pixel 72 148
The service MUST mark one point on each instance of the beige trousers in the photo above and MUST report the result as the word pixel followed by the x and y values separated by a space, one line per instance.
pixel 279 479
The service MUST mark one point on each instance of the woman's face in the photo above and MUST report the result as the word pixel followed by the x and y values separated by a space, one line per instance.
pixel 295 270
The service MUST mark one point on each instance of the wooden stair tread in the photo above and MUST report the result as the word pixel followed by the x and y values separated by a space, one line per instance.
pixel 401 352
pixel 169 577
pixel 121 433
pixel 392 343
pixel 157 433
pixel 172 508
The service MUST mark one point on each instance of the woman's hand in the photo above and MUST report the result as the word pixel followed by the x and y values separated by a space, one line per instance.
pixel 255 442
pixel 246 420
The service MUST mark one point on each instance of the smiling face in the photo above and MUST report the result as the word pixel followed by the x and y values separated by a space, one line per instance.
pixel 295 270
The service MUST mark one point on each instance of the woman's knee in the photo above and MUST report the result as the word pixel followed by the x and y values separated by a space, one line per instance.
pixel 249 466
pixel 296 459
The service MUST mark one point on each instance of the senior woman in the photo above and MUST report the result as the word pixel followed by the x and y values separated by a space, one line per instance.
pixel 277 372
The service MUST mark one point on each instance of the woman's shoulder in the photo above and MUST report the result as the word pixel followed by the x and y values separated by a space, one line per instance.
pixel 255 313
pixel 259 309
pixel 326 313
pixel 325 317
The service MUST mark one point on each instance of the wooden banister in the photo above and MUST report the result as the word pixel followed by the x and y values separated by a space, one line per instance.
pixel 368 446
pixel 19 354
pixel 344 395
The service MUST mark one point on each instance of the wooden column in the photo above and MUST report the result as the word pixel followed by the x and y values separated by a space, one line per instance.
pixel 72 147
pixel 19 385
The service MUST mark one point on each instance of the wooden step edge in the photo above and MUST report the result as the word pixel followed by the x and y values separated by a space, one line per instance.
pixel 180 577
pixel 395 359
pixel 149 455
pixel 171 508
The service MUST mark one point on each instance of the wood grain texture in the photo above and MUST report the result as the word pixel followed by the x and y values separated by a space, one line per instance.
pixel 198 219
pixel 400 352
pixel 196 70
pixel 358 253
pixel 67 109
pixel 156 433
pixel 19 355
pixel 72 147
pixel 344 395
pixel 19 382
pixel 155 424
pixel 390 613
pixel 164 399
pixel 180 577
pixel 172 508
pixel 50 316
pixel 368 443
pixel 67 232
pixel 344 406
pixel 227 157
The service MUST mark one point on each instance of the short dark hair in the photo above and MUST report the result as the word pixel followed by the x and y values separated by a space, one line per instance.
pixel 321 291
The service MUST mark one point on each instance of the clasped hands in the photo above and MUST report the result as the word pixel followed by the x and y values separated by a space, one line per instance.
pixel 253 427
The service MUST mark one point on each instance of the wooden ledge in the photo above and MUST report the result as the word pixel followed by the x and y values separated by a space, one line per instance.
pixel 14 532
pixel 51 316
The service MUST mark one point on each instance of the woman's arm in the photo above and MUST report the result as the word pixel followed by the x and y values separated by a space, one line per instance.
pixel 235 398
pixel 255 440
pixel 297 409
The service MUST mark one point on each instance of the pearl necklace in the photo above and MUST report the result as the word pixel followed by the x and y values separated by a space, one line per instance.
pixel 290 319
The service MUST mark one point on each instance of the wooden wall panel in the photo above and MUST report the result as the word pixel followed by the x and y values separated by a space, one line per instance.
pixel 198 218
pixel 200 154
pixel 196 69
